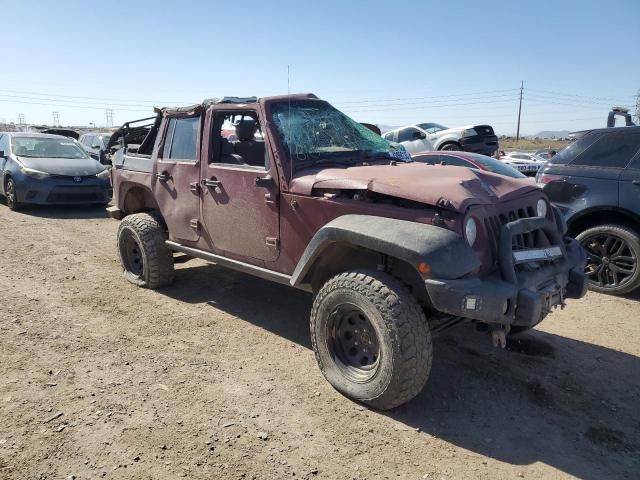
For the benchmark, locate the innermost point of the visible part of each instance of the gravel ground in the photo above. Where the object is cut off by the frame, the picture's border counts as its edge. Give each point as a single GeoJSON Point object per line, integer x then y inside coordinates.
{"type": "Point", "coordinates": [213, 377]}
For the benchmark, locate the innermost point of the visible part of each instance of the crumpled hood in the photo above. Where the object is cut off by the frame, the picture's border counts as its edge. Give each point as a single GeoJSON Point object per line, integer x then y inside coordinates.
{"type": "Point", "coordinates": [419, 182]}
{"type": "Point", "coordinates": [63, 166]}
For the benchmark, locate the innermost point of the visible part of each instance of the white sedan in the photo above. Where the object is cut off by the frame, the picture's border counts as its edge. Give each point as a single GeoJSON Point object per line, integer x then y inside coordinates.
{"type": "Point", "coordinates": [527, 163]}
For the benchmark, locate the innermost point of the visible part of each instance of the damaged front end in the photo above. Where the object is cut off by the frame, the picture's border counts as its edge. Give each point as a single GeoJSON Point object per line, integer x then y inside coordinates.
{"type": "Point", "coordinates": [529, 268]}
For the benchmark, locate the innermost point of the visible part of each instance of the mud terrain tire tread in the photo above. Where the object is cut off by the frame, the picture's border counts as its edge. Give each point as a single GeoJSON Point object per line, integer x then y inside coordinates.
{"type": "Point", "coordinates": [408, 333]}
{"type": "Point", "coordinates": [149, 230]}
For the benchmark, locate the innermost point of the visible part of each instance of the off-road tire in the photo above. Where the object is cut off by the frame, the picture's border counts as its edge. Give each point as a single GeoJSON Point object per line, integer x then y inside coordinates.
{"type": "Point", "coordinates": [451, 146]}
{"type": "Point", "coordinates": [632, 239]}
{"type": "Point", "coordinates": [11, 195]}
{"type": "Point", "coordinates": [402, 331]}
{"type": "Point", "coordinates": [149, 234]}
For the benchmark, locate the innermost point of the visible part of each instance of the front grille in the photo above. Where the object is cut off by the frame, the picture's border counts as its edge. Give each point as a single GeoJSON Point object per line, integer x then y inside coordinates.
{"type": "Point", "coordinates": [493, 226]}
{"type": "Point", "coordinates": [74, 197]}
{"type": "Point", "coordinates": [485, 130]}
{"type": "Point", "coordinates": [70, 178]}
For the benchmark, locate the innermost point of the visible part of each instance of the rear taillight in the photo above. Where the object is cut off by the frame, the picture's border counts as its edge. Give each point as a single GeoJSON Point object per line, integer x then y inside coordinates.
{"type": "Point", "coordinates": [545, 178]}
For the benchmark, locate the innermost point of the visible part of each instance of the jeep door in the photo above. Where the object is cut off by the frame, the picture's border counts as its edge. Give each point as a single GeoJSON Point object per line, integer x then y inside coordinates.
{"type": "Point", "coordinates": [240, 186]}
{"type": "Point", "coordinates": [630, 178]}
{"type": "Point", "coordinates": [176, 173]}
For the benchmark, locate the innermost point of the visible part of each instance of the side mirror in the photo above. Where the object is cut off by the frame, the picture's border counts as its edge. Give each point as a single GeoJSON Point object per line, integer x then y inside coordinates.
{"type": "Point", "coordinates": [2, 155]}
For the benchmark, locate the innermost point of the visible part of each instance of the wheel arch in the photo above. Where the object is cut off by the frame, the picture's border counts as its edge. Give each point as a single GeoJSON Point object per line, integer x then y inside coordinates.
{"type": "Point", "coordinates": [136, 198]}
{"type": "Point", "coordinates": [396, 246]}
{"type": "Point", "coordinates": [601, 216]}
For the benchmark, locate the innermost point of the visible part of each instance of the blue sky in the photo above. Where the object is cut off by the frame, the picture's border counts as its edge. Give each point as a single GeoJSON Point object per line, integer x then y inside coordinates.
{"type": "Point", "coordinates": [383, 62]}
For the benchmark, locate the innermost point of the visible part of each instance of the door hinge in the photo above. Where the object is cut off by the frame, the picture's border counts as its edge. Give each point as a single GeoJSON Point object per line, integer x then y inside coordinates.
{"type": "Point", "coordinates": [194, 187]}
{"type": "Point", "coordinates": [272, 242]}
{"type": "Point", "coordinates": [195, 224]}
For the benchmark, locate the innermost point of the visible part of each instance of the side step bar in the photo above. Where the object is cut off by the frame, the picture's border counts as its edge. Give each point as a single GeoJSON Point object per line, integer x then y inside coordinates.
{"type": "Point", "coordinates": [230, 263]}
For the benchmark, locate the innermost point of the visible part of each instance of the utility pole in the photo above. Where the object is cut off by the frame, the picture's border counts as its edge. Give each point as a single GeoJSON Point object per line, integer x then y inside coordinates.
{"type": "Point", "coordinates": [21, 119]}
{"type": "Point", "coordinates": [108, 115]}
{"type": "Point", "coordinates": [519, 111]}
{"type": "Point", "coordinates": [56, 119]}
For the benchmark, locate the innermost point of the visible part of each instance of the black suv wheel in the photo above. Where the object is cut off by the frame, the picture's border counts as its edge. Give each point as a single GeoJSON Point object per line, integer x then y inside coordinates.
{"type": "Point", "coordinates": [371, 338]}
{"type": "Point", "coordinates": [612, 258]}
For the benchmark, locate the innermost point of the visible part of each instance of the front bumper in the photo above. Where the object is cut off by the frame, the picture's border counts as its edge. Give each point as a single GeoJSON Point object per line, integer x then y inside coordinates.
{"type": "Point", "coordinates": [510, 297]}
{"type": "Point", "coordinates": [63, 190]}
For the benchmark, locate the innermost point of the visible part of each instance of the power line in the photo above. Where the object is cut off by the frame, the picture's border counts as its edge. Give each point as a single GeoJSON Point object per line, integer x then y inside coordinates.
{"type": "Point", "coordinates": [423, 98]}
{"type": "Point", "coordinates": [108, 99]}
{"type": "Point", "coordinates": [75, 106]}
{"type": "Point", "coordinates": [614, 99]}
{"type": "Point", "coordinates": [447, 105]}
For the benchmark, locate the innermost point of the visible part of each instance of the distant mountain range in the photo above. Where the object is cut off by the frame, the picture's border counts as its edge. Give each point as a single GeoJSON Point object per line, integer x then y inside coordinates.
{"type": "Point", "coordinates": [552, 134]}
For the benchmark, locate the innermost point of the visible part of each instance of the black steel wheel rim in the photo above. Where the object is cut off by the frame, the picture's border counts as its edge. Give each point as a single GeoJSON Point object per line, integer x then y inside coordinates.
{"type": "Point", "coordinates": [611, 262]}
{"type": "Point", "coordinates": [353, 343]}
{"type": "Point", "coordinates": [11, 193]}
{"type": "Point", "coordinates": [131, 254]}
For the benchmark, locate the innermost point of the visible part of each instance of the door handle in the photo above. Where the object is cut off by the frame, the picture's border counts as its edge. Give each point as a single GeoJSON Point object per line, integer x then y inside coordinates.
{"type": "Point", "coordinates": [265, 181]}
{"type": "Point", "coordinates": [636, 182]}
{"type": "Point", "coordinates": [163, 177]}
{"type": "Point", "coordinates": [213, 183]}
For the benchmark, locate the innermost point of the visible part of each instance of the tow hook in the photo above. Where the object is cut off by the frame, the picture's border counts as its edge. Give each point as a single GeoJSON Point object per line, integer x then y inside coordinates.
{"type": "Point", "coordinates": [499, 336]}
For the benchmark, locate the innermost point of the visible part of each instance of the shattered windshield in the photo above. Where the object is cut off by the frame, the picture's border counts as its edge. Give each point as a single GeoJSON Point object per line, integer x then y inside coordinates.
{"type": "Point", "coordinates": [313, 131]}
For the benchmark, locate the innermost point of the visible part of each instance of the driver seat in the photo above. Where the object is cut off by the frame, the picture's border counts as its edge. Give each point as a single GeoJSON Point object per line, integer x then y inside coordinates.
{"type": "Point", "coordinates": [251, 150]}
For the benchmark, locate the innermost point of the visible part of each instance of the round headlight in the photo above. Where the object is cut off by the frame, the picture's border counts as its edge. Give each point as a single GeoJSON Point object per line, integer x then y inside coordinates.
{"type": "Point", "coordinates": [541, 208]}
{"type": "Point", "coordinates": [470, 231]}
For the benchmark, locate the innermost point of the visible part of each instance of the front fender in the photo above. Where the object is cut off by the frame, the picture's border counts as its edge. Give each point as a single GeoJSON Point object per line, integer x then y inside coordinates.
{"type": "Point", "coordinates": [447, 253]}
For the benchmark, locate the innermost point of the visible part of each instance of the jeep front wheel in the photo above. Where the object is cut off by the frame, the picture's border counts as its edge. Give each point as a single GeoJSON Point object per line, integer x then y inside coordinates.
{"type": "Point", "coordinates": [371, 338]}
{"type": "Point", "coordinates": [145, 259]}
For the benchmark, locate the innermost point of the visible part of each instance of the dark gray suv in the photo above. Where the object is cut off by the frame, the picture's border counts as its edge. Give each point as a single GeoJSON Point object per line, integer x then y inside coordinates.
{"type": "Point", "coordinates": [596, 184]}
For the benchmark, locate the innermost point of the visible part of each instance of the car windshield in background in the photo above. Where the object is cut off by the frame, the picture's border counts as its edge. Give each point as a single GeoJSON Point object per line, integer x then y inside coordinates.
{"type": "Point", "coordinates": [105, 139]}
{"type": "Point", "coordinates": [432, 127]}
{"type": "Point", "coordinates": [47, 147]}
{"type": "Point", "coordinates": [494, 166]}
{"type": "Point", "coordinates": [313, 131]}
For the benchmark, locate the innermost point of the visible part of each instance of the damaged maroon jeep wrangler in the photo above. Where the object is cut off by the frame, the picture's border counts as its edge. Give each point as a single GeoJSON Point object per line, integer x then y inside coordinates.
{"type": "Point", "coordinates": [394, 252]}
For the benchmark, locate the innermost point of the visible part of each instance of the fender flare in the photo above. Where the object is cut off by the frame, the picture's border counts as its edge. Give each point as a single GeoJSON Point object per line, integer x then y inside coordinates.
{"type": "Point", "coordinates": [447, 253]}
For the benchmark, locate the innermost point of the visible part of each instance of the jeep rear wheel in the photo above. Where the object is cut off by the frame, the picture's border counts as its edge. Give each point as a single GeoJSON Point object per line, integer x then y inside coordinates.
{"type": "Point", "coordinates": [613, 258]}
{"type": "Point", "coordinates": [145, 259]}
{"type": "Point", "coordinates": [371, 338]}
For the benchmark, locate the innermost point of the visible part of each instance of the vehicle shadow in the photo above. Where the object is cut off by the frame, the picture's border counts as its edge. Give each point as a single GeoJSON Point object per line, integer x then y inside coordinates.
{"type": "Point", "coordinates": [568, 404]}
{"type": "Point", "coordinates": [65, 212]}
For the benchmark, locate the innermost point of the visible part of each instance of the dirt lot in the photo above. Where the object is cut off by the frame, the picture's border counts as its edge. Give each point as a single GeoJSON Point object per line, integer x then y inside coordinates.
{"type": "Point", "coordinates": [214, 378]}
